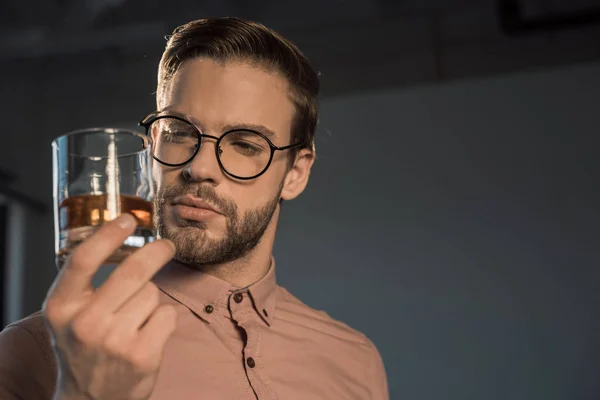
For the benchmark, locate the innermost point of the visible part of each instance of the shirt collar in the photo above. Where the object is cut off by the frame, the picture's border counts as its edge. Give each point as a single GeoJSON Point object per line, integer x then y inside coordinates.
{"type": "Point", "coordinates": [263, 294]}
{"type": "Point", "coordinates": [208, 296]}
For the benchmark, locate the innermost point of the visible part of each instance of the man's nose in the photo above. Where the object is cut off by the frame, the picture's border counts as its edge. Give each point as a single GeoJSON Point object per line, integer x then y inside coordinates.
{"type": "Point", "coordinates": [204, 166]}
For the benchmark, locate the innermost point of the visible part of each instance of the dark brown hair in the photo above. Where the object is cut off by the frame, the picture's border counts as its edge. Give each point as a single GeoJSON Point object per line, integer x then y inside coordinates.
{"type": "Point", "coordinates": [234, 39]}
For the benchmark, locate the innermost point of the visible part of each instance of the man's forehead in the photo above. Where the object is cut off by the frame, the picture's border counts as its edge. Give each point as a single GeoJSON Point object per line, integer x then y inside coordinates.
{"type": "Point", "coordinates": [217, 96]}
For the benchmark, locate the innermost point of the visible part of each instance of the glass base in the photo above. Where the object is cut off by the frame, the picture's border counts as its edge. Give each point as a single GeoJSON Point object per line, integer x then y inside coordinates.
{"type": "Point", "coordinates": [71, 238]}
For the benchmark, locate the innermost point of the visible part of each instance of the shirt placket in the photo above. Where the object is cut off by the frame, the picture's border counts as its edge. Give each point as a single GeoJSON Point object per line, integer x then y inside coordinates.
{"type": "Point", "coordinates": [243, 313]}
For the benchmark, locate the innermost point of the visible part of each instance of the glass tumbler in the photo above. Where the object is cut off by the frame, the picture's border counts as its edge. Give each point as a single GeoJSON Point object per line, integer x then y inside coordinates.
{"type": "Point", "coordinates": [98, 174]}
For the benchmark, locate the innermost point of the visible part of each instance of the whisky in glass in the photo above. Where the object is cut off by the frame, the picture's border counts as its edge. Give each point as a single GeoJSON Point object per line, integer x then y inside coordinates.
{"type": "Point", "coordinates": [99, 174]}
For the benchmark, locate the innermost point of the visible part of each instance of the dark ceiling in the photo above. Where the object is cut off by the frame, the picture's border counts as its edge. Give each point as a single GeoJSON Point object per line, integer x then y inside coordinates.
{"type": "Point", "coordinates": [399, 42]}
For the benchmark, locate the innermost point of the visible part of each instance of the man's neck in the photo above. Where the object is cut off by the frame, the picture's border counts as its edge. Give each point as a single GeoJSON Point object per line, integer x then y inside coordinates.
{"type": "Point", "coordinates": [242, 272]}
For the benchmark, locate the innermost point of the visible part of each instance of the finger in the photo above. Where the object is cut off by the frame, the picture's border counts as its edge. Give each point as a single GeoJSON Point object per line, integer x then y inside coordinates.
{"type": "Point", "coordinates": [76, 276]}
{"type": "Point", "coordinates": [136, 311]}
{"type": "Point", "coordinates": [151, 340]}
{"type": "Point", "coordinates": [130, 276]}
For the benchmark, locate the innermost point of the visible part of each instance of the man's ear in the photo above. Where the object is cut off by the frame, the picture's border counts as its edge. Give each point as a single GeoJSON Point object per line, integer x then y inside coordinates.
{"type": "Point", "coordinates": [296, 178]}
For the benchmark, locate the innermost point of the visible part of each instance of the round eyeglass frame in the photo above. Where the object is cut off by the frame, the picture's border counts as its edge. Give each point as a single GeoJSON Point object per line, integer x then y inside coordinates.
{"type": "Point", "coordinates": [147, 122]}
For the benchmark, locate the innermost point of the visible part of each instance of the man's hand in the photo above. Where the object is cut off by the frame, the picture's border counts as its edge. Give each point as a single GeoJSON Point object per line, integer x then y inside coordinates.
{"type": "Point", "coordinates": [109, 341]}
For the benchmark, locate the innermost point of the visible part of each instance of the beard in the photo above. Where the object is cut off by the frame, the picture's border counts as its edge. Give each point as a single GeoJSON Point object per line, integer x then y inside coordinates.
{"type": "Point", "coordinates": [194, 246]}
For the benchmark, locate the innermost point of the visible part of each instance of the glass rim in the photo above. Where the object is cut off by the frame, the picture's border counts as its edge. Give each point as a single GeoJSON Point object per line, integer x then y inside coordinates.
{"type": "Point", "coordinates": [146, 141]}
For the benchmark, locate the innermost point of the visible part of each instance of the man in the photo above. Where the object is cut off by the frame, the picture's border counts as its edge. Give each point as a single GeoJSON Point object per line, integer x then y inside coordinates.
{"type": "Point", "coordinates": [233, 138]}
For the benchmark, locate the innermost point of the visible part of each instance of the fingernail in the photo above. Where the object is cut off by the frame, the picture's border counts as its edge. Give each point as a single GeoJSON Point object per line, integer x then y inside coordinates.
{"type": "Point", "coordinates": [126, 221]}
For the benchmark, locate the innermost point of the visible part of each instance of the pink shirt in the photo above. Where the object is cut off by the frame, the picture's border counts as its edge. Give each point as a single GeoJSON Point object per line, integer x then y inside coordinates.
{"type": "Point", "coordinates": [258, 342]}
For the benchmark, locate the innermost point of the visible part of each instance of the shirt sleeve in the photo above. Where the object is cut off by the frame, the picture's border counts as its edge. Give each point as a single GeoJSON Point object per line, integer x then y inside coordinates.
{"type": "Point", "coordinates": [26, 370]}
{"type": "Point", "coordinates": [379, 385]}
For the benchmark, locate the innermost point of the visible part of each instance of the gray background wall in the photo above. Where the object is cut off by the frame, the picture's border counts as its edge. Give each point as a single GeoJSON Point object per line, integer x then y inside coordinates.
{"type": "Point", "coordinates": [458, 226]}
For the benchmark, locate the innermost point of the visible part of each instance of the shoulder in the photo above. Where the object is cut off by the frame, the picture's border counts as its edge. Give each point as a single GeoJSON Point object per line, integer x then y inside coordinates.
{"type": "Point", "coordinates": [290, 309]}
{"type": "Point", "coordinates": [30, 328]}
{"type": "Point", "coordinates": [28, 365]}
{"type": "Point", "coordinates": [352, 353]}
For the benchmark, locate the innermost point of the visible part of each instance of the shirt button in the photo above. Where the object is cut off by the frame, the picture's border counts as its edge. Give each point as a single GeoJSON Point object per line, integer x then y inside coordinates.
{"type": "Point", "coordinates": [238, 297]}
{"type": "Point", "coordinates": [250, 362]}
{"type": "Point", "coordinates": [209, 309]}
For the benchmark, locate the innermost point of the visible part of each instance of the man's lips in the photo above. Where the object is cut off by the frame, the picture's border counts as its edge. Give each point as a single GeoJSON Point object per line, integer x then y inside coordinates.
{"type": "Point", "coordinates": [193, 201]}
{"type": "Point", "coordinates": [192, 207]}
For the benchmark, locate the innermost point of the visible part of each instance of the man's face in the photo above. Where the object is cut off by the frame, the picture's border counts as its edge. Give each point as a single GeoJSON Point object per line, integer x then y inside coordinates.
{"type": "Point", "coordinates": [216, 96]}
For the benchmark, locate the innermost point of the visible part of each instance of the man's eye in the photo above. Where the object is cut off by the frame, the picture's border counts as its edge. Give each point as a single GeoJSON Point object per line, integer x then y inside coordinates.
{"type": "Point", "coordinates": [178, 135]}
{"type": "Point", "coordinates": [246, 147]}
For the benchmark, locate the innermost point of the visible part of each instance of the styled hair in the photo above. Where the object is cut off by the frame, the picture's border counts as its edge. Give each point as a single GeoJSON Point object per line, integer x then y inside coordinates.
{"type": "Point", "coordinates": [233, 39]}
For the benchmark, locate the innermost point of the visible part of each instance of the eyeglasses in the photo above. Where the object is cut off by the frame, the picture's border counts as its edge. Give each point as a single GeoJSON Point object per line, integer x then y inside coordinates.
{"type": "Point", "coordinates": [241, 153]}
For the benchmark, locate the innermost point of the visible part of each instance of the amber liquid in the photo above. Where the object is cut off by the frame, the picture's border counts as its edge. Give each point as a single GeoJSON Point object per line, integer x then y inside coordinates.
{"type": "Point", "coordinates": [81, 216]}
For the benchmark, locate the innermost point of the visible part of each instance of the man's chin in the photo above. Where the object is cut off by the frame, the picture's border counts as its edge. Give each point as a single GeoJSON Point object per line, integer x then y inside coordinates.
{"type": "Point", "coordinates": [192, 235]}
{"type": "Point", "coordinates": [197, 252]}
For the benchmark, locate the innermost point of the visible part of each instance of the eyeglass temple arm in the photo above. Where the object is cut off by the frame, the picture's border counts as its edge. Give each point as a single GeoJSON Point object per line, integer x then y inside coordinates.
{"type": "Point", "coordinates": [290, 146]}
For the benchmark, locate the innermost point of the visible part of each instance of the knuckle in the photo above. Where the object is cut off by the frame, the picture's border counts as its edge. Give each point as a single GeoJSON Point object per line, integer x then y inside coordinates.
{"type": "Point", "coordinates": [85, 332]}
{"type": "Point", "coordinates": [77, 260]}
{"type": "Point", "coordinates": [115, 345]}
{"type": "Point", "coordinates": [51, 311]}
{"type": "Point", "coordinates": [142, 361]}
{"type": "Point", "coordinates": [80, 331]}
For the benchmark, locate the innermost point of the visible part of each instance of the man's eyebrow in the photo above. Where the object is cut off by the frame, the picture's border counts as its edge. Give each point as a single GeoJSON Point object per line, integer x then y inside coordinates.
{"type": "Point", "coordinates": [224, 127]}
{"type": "Point", "coordinates": [245, 126]}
